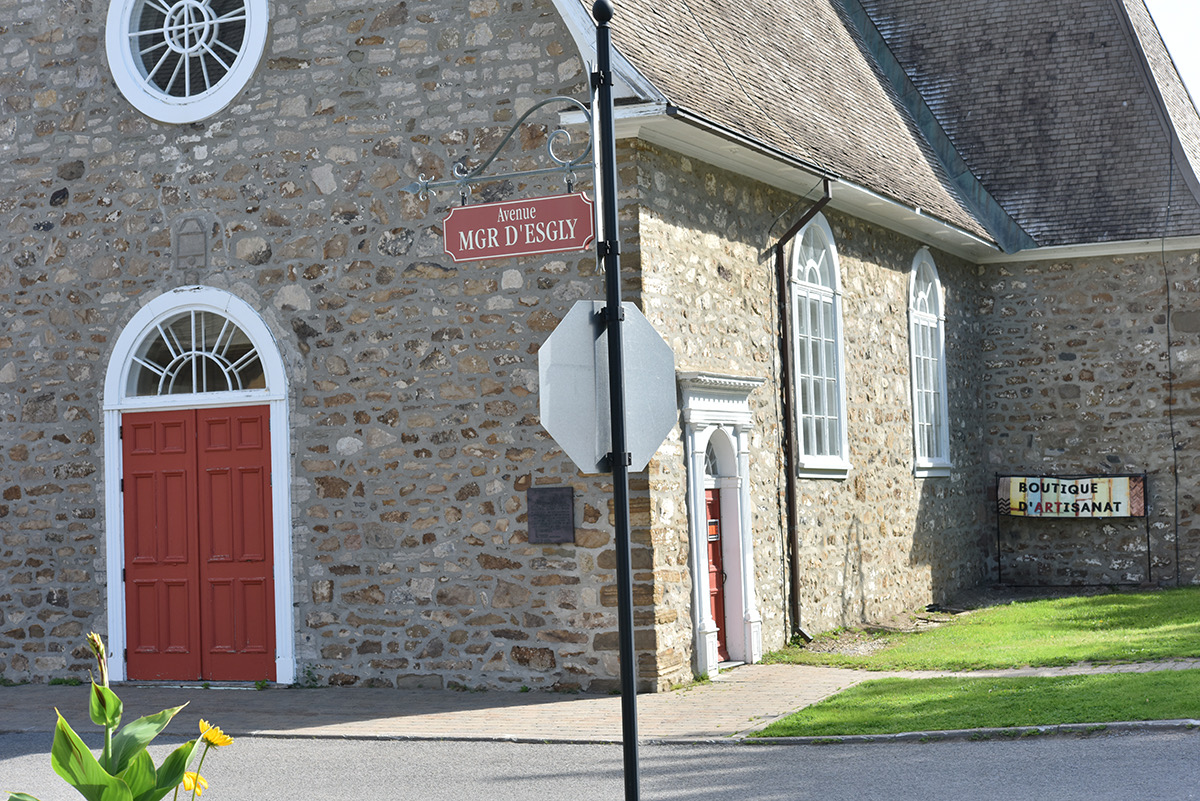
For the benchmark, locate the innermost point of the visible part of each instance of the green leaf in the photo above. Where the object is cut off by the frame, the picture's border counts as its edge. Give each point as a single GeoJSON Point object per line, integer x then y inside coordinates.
{"type": "Point", "coordinates": [138, 734]}
{"type": "Point", "coordinates": [105, 707]}
{"type": "Point", "coordinates": [140, 775]}
{"type": "Point", "coordinates": [21, 797]}
{"type": "Point", "coordinates": [74, 761]}
{"type": "Point", "coordinates": [171, 772]}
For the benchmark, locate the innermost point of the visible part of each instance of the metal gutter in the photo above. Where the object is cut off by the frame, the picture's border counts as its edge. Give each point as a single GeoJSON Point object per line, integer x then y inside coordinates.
{"type": "Point", "coordinates": [686, 133]}
{"type": "Point", "coordinates": [787, 400]}
{"type": "Point", "coordinates": [1128, 247]}
{"type": "Point", "coordinates": [749, 143]}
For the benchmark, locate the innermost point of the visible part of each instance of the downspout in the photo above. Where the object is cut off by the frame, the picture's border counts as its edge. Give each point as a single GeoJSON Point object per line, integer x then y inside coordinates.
{"type": "Point", "coordinates": [787, 400]}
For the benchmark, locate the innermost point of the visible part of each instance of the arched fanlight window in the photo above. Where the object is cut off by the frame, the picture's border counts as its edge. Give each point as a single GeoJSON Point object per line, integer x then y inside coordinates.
{"type": "Point", "coordinates": [195, 352]}
{"type": "Point", "coordinates": [710, 462]}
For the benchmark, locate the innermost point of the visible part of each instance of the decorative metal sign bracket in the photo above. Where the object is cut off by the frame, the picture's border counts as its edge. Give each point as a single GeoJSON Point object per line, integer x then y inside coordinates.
{"type": "Point", "coordinates": [463, 178]}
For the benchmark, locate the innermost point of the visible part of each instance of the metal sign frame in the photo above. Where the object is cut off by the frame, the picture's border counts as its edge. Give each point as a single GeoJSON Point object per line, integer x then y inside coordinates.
{"type": "Point", "coordinates": [464, 178]}
{"type": "Point", "coordinates": [1042, 520]}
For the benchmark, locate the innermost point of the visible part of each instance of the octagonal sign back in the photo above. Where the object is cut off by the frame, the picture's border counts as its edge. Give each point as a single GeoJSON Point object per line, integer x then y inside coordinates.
{"type": "Point", "coordinates": [573, 387]}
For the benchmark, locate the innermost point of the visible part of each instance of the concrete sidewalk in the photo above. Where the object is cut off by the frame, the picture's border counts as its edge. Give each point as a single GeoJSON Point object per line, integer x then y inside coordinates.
{"type": "Point", "coordinates": [737, 702]}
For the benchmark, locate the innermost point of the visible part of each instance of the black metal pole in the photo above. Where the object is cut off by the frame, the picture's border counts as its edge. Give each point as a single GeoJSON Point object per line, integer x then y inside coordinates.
{"type": "Point", "coordinates": [608, 251]}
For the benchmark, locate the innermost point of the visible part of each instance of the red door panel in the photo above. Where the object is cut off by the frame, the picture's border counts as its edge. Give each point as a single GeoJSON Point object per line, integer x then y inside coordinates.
{"type": "Point", "coordinates": [716, 572]}
{"type": "Point", "coordinates": [161, 570]}
{"type": "Point", "coordinates": [235, 543]}
{"type": "Point", "coordinates": [175, 614]}
{"type": "Point", "coordinates": [200, 586]}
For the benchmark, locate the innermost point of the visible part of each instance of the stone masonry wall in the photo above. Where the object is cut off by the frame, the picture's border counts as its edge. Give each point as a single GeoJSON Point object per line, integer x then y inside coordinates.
{"type": "Point", "coordinates": [1080, 380]}
{"type": "Point", "coordinates": [413, 380]}
{"type": "Point", "coordinates": [883, 541]}
{"type": "Point", "coordinates": [707, 289]}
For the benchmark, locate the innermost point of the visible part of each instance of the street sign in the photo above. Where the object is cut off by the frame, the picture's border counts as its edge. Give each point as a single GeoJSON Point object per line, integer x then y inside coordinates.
{"type": "Point", "coordinates": [573, 387]}
{"type": "Point", "coordinates": [555, 224]}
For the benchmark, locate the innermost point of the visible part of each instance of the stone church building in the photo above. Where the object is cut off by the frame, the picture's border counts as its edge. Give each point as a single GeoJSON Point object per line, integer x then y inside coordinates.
{"type": "Point", "coordinates": [256, 424]}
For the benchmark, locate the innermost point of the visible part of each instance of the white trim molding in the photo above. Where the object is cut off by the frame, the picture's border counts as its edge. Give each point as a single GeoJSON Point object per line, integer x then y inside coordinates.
{"type": "Point", "coordinates": [716, 409]}
{"type": "Point", "coordinates": [117, 401]}
{"type": "Point", "coordinates": [818, 354]}
{"type": "Point", "coordinates": [927, 369]}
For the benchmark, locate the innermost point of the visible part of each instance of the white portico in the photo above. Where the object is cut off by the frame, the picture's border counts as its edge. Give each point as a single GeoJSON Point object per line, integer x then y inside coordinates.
{"type": "Point", "coordinates": [717, 425]}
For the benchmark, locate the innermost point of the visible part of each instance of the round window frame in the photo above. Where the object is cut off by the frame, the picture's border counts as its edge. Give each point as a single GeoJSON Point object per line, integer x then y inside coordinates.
{"type": "Point", "coordinates": [160, 106]}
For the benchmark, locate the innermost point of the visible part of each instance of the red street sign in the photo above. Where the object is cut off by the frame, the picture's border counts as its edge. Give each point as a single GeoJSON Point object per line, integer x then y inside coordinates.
{"type": "Point", "coordinates": [555, 224]}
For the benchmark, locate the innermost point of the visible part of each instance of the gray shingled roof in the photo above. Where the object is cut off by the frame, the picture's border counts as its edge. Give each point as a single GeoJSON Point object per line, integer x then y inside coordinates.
{"type": "Point", "coordinates": [1048, 102]}
{"type": "Point", "coordinates": [792, 75]}
{"type": "Point", "coordinates": [1177, 104]}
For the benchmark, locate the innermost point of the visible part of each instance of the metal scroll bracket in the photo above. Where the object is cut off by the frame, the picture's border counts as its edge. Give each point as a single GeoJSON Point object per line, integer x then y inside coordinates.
{"type": "Point", "coordinates": [566, 167]}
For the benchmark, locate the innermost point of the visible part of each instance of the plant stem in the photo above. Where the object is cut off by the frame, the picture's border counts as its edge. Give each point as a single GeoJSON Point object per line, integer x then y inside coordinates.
{"type": "Point", "coordinates": [196, 784]}
{"type": "Point", "coordinates": [106, 757]}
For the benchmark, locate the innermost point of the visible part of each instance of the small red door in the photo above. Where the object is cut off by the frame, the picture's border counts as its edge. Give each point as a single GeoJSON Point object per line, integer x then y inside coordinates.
{"type": "Point", "coordinates": [716, 572]}
{"type": "Point", "coordinates": [199, 573]}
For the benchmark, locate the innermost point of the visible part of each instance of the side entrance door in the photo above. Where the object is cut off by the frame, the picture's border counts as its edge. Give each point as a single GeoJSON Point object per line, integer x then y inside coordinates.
{"type": "Point", "coordinates": [199, 587]}
{"type": "Point", "coordinates": [716, 571]}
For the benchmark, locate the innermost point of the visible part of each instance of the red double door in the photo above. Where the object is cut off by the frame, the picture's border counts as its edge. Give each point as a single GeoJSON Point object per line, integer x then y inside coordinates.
{"type": "Point", "coordinates": [199, 588]}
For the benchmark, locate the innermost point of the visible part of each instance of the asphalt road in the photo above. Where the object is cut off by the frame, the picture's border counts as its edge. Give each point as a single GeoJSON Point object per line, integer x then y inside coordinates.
{"type": "Point", "coordinates": [1135, 766]}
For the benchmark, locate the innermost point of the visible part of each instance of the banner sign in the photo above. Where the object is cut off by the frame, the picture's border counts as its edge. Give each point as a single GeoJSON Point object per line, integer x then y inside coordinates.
{"type": "Point", "coordinates": [1090, 496]}
{"type": "Point", "coordinates": [555, 224]}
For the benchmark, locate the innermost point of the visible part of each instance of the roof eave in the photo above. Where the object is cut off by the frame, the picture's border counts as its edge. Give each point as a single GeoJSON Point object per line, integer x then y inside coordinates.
{"type": "Point", "coordinates": [1095, 250]}
{"type": "Point", "coordinates": [630, 83]}
{"type": "Point", "coordinates": [693, 136]}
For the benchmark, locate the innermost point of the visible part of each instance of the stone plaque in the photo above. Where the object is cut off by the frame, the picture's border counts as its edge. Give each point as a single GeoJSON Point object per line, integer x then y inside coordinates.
{"type": "Point", "coordinates": [551, 514]}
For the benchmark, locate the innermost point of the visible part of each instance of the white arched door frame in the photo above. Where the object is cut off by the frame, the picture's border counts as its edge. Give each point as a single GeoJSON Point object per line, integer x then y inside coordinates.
{"type": "Point", "coordinates": [118, 402]}
{"type": "Point", "coordinates": [716, 408]}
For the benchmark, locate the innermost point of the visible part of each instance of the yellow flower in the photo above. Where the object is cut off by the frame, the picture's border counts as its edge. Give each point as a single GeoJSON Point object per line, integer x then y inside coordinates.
{"type": "Point", "coordinates": [213, 734]}
{"type": "Point", "coordinates": [193, 780]}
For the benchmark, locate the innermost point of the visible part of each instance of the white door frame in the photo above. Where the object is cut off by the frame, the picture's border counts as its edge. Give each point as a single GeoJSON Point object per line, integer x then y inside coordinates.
{"type": "Point", "coordinates": [117, 402]}
{"type": "Point", "coordinates": [716, 409]}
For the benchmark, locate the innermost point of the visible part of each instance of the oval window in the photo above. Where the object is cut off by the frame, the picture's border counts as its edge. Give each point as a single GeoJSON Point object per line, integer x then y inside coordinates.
{"type": "Point", "coordinates": [181, 61]}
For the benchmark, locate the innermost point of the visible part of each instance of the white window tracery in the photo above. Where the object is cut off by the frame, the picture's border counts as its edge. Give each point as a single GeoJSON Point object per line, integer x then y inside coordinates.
{"type": "Point", "coordinates": [195, 352]}
{"type": "Point", "coordinates": [182, 61]}
{"type": "Point", "coordinates": [927, 349]}
{"type": "Point", "coordinates": [817, 353]}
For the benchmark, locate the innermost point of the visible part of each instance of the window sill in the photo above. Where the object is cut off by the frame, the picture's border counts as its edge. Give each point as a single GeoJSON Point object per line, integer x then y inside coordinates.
{"type": "Point", "coordinates": [932, 470]}
{"type": "Point", "coordinates": [829, 469]}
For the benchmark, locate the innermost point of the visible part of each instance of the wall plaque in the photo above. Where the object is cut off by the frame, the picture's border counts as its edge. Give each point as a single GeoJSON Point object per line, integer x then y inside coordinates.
{"type": "Point", "coordinates": [551, 514]}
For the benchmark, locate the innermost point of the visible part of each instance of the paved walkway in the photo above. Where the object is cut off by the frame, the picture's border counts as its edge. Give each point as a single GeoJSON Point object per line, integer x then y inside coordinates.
{"type": "Point", "coordinates": [736, 703]}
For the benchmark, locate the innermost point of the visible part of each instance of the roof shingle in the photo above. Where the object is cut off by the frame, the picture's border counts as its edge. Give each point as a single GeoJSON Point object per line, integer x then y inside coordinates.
{"type": "Point", "coordinates": [1058, 108]}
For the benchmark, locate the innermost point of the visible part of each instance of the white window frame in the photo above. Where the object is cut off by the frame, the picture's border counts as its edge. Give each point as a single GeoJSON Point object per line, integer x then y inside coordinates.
{"type": "Point", "coordinates": [810, 417]}
{"type": "Point", "coordinates": [193, 34]}
{"type": "Point", "coordinates": [927, 369]}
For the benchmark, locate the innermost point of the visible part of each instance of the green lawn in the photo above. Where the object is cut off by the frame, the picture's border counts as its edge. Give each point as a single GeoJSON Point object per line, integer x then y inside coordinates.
{"type": "Point", "coordinates": [887, 706]}
{"type": "Point", "coordinates": [1117, 627]}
